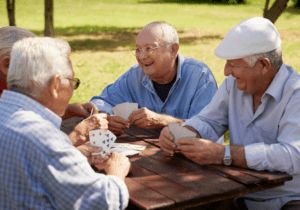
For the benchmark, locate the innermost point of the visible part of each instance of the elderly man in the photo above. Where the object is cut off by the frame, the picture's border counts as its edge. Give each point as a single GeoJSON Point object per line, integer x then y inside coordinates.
{"type": "Point", "coordinates": [11, 34]}
{"type": "Point", "coordinates": [40, 168]}
{"type": "Point", "coordinates": [167, 87]}
{"type": "Point", "coordinates": [259, 103]}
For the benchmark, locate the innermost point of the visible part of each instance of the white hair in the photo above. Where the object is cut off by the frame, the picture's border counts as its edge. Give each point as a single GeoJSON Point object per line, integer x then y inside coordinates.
{"type": "Point", "coordinates": [168, 32]}
{"type": "Point", "coordinates": [9, 35]}
{"type": "Point", "coordinates": [275, 57]}
{"type": "Point", "coordinates": [34, 62]}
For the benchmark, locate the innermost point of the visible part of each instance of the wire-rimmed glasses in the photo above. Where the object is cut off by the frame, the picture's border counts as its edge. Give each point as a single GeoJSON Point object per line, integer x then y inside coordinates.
{"type": "Point", "coordinates": [147, 50]}
{"type": "Point", "coordinates": [75, 82]}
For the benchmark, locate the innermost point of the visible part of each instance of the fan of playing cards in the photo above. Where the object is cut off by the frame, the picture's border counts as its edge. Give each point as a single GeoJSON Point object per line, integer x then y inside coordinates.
{"type": "Point", "coordinates": [105, 140]}
{"type": "Point", "coordinates": [180, 132]}
{"type": "Point", "coordinates": [124, 110]}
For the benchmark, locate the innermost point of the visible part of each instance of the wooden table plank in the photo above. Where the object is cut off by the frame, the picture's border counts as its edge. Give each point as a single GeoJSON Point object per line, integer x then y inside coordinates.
{"type": "Point", "coordinates": [144, 197]}
{"type": "Point", "coordinates": [244, 175]}
{"type": "Point", "coordinates": [172, 190]}
{"type": "Point", "coordinates": [236, 174]}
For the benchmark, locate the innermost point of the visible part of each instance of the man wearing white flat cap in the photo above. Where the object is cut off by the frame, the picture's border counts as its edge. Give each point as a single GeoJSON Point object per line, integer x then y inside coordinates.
{"type": "Point", "coordinates": [259, 102]}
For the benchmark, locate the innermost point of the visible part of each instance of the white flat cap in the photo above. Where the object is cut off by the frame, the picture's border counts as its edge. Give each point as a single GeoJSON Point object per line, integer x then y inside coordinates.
{"type": "Point", "coordinates": [252, 36]}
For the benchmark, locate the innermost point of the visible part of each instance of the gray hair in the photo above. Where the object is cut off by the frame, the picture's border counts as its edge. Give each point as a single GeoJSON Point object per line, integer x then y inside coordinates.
{"type": "Point", "coordinates": [34, 62]}
{"type": "Point", "coordinates": [275, 57]}
{"type": "Point", "coordinates": [168, 32]}
{"type": "Point", "coordinates": [9, 35]}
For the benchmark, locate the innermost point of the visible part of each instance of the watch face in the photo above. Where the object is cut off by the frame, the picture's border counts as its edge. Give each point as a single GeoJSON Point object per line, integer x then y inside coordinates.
{"type": "Point", "coordinates": [227, 161]}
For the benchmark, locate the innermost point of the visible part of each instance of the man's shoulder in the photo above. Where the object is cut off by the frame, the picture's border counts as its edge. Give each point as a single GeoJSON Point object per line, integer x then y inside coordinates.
{"type": "Point", "coordinates": [294, 78]}
{"type": "Point", "coordinates": [34, 128]}
{"type": "Point", "coordinates": [134, 72]}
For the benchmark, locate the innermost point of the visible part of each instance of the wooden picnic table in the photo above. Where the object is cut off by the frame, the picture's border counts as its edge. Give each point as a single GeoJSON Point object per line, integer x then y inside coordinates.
{"type": "Point", "coordinates": [158, 181]}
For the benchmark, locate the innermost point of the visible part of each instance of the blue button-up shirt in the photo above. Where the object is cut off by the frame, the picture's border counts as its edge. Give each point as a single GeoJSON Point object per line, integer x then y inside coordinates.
{"type": "Point", "coordinates": [270, 136]}
{"type": "Point", "coordinates": [193, 89]}
{"type": "Point", "coordinates": [41, 169]}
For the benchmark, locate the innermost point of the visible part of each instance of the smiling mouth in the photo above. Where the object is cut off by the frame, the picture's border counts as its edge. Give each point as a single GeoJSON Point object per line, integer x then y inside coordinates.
{"type": "Point", "coordinates": [148, 64]}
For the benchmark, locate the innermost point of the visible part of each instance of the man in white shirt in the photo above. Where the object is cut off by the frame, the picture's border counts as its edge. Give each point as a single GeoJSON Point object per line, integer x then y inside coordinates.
{"type": "Point", "coordinates": [258, 103]}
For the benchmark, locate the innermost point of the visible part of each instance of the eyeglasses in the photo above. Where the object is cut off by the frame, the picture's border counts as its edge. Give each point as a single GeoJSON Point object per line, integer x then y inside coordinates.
{"type": "Point", "coordinates": [148, 50]}
{"type": "Point", "coordinates": [75, 82]}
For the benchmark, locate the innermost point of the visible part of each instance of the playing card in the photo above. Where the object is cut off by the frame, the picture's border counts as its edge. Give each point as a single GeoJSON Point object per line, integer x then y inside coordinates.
{"type": "Point", "coordinates": [105, 140]}
{"type": "Point", "coordinates": [180, 132]}
{"type": "Point", "coordinates": [124, 110]}
{"type": "Point", "coordinates": [127, 152]}
{"type": "Point", "coordinates": [96, 137]}
{"type": "Point", "coordinates": [129, 146]}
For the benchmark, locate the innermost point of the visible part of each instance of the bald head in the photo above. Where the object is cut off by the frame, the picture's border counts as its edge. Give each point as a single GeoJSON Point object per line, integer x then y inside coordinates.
{"type": "Point", "coordinates": [162, 31]}
{"type": "Point", "coordinates": [9, 35]}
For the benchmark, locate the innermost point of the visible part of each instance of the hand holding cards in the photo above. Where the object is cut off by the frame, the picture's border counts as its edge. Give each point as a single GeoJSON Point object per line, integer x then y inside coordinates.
{"type": "Point", "coordinates": [180, 132]}
{"type": "Point", "coordinates": [105, 140]}
{"type": "Point", "coordinates": [124, 110]}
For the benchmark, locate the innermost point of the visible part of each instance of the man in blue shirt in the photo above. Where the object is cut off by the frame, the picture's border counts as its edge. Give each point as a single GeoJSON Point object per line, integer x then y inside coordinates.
{"type": "Point", "coordinates": [167, 87]}
{"type": "Point", "coordinates": [259, 103]}
{"type": "Point", "coordinates": [40, 167]}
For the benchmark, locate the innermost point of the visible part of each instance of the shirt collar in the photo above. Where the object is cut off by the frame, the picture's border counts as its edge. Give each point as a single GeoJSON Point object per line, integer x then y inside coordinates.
{"type": "Point", "coordinates": [29, 104]}
{"type": "Point", "coordinates": [277, 85]}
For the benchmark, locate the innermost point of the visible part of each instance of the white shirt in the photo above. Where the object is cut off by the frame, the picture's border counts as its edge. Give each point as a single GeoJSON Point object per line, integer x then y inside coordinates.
{"type": "Point", "coordinates": [270, 136]}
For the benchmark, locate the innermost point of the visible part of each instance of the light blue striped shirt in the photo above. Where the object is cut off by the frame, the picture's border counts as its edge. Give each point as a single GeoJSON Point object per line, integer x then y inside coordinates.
{"type": "Point", "coordinates": [41, 169]}
{"type": "Point", "coordinates": [270, 136]}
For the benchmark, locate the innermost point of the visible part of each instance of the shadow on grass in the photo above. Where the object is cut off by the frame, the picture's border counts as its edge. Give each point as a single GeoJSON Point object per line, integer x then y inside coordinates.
{"type": "Point", "coordinates": [112, 39]}
{"type": "Point", "coordinates": [293, 10]}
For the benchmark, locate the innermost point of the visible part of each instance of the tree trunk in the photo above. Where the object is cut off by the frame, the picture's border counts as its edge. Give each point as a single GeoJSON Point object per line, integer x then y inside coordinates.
{"type": "Point", "coordinates": [11, 12]}
{"type": "Point", "coordinates": [275, 11]}
{"type": "Point", "coordinates": [49, 29]}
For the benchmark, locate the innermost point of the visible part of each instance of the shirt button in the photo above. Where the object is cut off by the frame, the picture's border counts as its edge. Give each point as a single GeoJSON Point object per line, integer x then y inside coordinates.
{"type": "Point", "coordinates": [163, 110]}
{"type": "Point", "coordinates": [251, 124]}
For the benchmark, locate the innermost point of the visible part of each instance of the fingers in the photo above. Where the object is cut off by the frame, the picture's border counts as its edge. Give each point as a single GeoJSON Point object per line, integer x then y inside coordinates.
{"type": "Point", "coordinates": [117, 125]}
{"type": "Point", "coordinates": [136, 115]}
{"type": "Point", "coordinates": [186, 141]}
{"type": "Point", "coordinates": [97, 121]}
{"type": "Point", "coordinates": [166, 141]}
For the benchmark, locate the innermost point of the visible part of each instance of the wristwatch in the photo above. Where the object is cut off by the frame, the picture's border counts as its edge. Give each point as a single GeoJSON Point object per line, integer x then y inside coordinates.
{"type": "Point", "coordinates": [227, 159]}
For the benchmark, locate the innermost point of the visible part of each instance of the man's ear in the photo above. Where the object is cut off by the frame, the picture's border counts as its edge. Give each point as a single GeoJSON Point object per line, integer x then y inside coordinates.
{"type": "Point", "coordinates": [175, 48]}
{"type": "Point", "coordinates": [265, 65]}
{"type": "Point", "coordinates": [4, 64]}
{"type": "Point", "coordinates": [54, 85]}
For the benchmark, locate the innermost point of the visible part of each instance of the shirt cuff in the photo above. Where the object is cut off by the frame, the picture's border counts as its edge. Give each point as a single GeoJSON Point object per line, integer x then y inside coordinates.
{"type": "Point", "coordinates": [256, 156]}
{"type": "Point", "coordinates": [123, 190]}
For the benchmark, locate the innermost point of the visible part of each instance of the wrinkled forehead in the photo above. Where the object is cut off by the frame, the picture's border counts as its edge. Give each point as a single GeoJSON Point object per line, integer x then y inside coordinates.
{"type": "Point", "coordinates": [150, 35]}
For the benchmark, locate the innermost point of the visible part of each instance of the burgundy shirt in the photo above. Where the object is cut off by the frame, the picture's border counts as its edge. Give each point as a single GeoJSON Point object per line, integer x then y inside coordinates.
{"type": "Point", "coordinates": [2, 86]}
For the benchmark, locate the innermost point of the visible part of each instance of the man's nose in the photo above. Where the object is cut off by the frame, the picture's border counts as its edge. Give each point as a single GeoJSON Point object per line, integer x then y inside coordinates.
{"type": "Point", "coordinates": [227, 69]}
{"type": "Point", "coordinates": [143, 54]}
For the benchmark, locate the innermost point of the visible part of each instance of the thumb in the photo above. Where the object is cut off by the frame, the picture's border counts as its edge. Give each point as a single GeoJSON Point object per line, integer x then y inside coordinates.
{"type": "Point", "coordinates": [95, 149]}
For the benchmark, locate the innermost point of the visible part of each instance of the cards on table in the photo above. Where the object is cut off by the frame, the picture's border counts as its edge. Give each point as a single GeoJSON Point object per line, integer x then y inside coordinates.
{"type": "Point", "coordinates": [180, 132]}
{"type": "Point", "coordinates": [105, 140]}
{"type": "Point", "coordinates": [124, 110]}
{"type": "Point", "coordinates": [127, 152]}
{"type": "Point", "coordinates": [129, 146]}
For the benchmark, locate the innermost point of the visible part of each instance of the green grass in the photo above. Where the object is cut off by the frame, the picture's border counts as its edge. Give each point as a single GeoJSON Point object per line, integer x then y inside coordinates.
{"type": "Point", "coordinates": [101, 32]}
